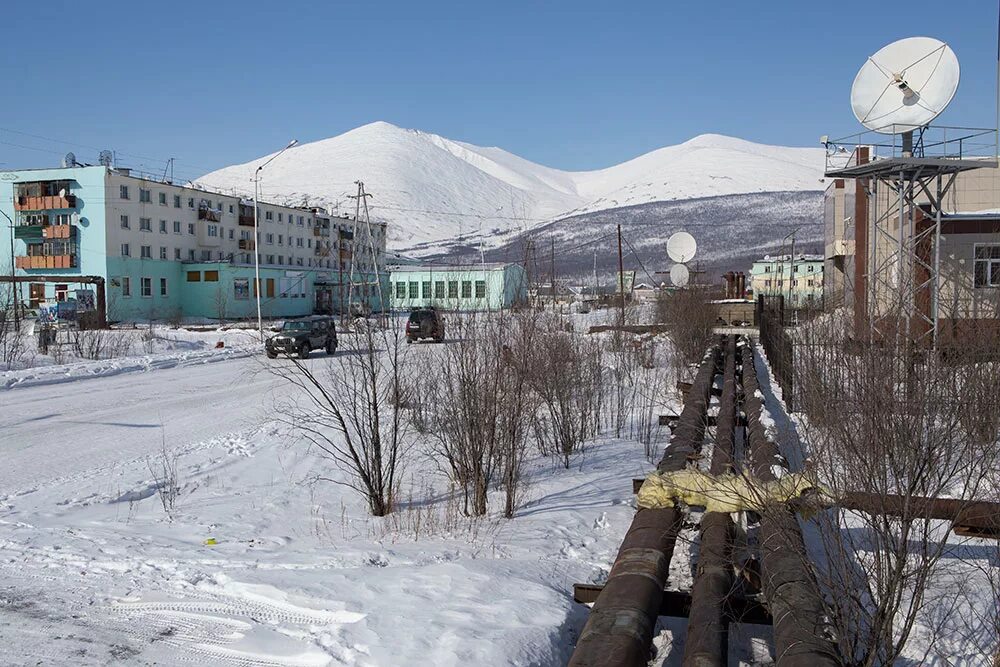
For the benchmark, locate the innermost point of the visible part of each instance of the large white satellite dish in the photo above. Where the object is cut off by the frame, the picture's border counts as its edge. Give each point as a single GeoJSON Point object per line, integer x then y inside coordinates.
{"type": "Point", "coordinates": [681, 247]}
{"type": "Point", "coordinates": [906, 85]}
{"type": "Point", "coordinates": [679, 275]}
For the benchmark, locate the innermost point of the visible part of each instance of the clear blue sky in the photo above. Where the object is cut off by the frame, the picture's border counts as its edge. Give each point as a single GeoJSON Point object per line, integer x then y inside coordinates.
{"type": "Point", "coordinates": [575, 85]}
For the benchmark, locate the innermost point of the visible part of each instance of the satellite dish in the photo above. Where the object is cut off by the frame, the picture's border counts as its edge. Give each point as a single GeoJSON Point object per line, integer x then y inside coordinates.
{"type": "Point", "coordinates": [679, 275]}
{"type": "Point", "coordinates": [681, 247]}
{"type": "Point", "coordinates": [906, 85]}
{"type": "Point", "coordinates": [69, 160]}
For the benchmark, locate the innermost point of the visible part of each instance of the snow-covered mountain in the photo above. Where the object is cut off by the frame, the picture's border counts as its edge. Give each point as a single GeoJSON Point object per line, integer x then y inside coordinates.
{"type": "Point", "coordinates": [433, 190]}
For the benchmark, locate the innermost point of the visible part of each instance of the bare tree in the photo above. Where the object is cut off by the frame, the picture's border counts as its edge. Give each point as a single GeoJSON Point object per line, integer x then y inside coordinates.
{"type": "Point", "coordinates": [351, 409]}
{"type": "Point", "coordinates": [890, 425]}
{"type": "Point", "coordinates": [690, 320]}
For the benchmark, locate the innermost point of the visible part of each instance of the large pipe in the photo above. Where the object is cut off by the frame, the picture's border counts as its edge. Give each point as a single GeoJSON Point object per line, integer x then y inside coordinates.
{"type": "Point", "coordinates": [619, 631]}
{"type": "Point", "coordinates": [707, 643]}
{"type": "Point", "coordinates": [800, 627]}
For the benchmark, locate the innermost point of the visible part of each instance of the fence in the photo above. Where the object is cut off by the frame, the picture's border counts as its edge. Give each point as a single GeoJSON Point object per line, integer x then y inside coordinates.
{"type": "Point", "coordinates": [778, 344]}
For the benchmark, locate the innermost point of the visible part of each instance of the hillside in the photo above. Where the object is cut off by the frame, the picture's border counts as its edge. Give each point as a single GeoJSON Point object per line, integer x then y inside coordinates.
{"type": "Point", "coordinates": [432, 189]}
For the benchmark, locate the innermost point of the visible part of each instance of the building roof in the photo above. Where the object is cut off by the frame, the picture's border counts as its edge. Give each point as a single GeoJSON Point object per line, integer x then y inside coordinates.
{"type": "Point", "coordinates": [424, 268]}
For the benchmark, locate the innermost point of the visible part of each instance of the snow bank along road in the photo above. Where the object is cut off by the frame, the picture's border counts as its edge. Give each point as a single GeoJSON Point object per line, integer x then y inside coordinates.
{"type": "Point", "coordinates": [259, 564]}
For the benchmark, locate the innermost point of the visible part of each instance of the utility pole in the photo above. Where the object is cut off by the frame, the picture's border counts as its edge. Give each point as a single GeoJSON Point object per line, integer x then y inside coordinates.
{"type": "Point", "coordinates": [552, 271]}
{"type": "Point", "coordinates": [14, 290]}
{"type": "Point", "coordinates": [791, 272]}
{"type": "Point", "coordinates": [621, 273]}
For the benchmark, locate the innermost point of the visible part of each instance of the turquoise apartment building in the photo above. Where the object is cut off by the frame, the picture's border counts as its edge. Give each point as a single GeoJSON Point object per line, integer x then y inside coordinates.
{"type": "Point", "coordinates": [801, 281]}
{"type": "Point", "coordinates": [469, 287]}
{"type": "Point", "coordinates": [171, 251]}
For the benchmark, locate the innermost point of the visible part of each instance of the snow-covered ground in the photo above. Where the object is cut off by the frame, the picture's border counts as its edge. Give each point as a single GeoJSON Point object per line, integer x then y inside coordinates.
{"type": "Point", "coordinates": [260, 564]}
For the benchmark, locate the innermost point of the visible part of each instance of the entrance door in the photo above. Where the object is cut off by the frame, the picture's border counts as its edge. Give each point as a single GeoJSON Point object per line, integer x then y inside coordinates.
{"type": "Point", "coordinates": [36, 294]}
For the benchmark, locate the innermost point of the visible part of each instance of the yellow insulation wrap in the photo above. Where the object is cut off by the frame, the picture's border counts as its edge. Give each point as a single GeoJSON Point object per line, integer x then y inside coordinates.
{"type": "Point", "coordinates": [725, 493]}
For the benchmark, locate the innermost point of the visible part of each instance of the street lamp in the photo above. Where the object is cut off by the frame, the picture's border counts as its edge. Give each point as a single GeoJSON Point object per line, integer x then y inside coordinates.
{"type": "Point", "coordinates": [256, 234]}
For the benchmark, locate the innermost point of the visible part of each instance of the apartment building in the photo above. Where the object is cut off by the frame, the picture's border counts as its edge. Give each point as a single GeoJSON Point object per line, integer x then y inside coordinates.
{"type": "Point", "coordinates": [167, 250]}
{"type": "Point", "coordinates": [799, 281]}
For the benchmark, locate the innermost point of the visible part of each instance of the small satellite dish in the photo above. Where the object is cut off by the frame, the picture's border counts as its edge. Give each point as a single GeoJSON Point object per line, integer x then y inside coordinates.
{"type": "Point", "coordinates": [679, 275]}
{"type": "Point", "coordinates": [906, 85]}
{"type": "Point", "coordinates": [69, 160]}
{"type": "Point", "coordinates": [681, 247]}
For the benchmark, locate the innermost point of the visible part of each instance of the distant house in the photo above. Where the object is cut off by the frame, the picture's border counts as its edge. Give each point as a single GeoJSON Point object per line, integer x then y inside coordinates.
{"type": "Point", "coordinates": [466, 287]}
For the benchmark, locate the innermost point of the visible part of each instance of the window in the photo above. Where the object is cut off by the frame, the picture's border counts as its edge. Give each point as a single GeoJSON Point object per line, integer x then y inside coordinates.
{"type": "Point", "coordinates": [163, 199]}
{"type": "Point", "coordinates": [230, 235]}
{"type": "Point", "coordinates": [145, 224]}
{"type": "Point", "coordinates": [466, 289]}
{"type": "Point", "coordinates": [767, 269]}
{"type": "Point", "coordinates": [206, 255]}
{"type": "Point", "coordinates": [213, 230]}
{"type": "Point", "coordinates": [298, 242]}
{"type": "Point", "coordinates": [439, 289]}
{"type": "Point", "coordinates": [400, 290]}
{"type": "Point", "coordinates": [163, 226]}
{"type": "Point", "coordinates": [145, 287]}
{"type": "Point", "coordinates": [124, 220]}
{"type": "Point", "coordinates": [281, 259]}
{"type": "Point", "coordinates": [163, 286]}
{"type": "Point", "coordinates": [125, 250]}
{"type": "Point", "coordinates": [480, 289]}
{"type": "Point", "coordinates": [425, 289]}
{"type": "Point", "coordinates": [230, 209]}
{"type": "Point", "coordinates": [177, 226]}
{"type": "Point", "coordinates": [193, 277]}
{"type": "Point", "coordinates": [177, 253]}
{"type": "Point", "coordinates": [281, 239]}
{"type": "Point", "coordinates": [145, 251]}
{"type": "Point", "coordinates": [190, 202]}
{"type": "Point", "coordinates": [269, 238]}
{"type": "Point", "coordinates": [280, 217]}
{"type": "Point", "coordinates": [452, 289]}
{"type": "Point", "coordinates": [177, 201]}
{"type": "Point", "coordinates": [145, 196]}
{"type": "Point", "coordinates": [126, 286]}
{"type": "Point", "coordinates": [191, 255]}
{"type": "Point", "coordinates": [414, 294]}
{"type": "Point", "coordinates": [191, 228]}
{"type": "Point", "coordinates": [163, 252]}
{"type": "Point", "coordinates": [123, 191]}
{"type": "Point", "coordinates": [268, 215]}
{"type": "Point", "coordinates": [987, 268]}
{"type": "Point", "coordinates": [300, 221]}
{"type": "Point", "coordinates": [269, 259]}
{"type": "Point", "coordinates": [241, 288]}
{"type": "Point", "coordinates": [211, 276]}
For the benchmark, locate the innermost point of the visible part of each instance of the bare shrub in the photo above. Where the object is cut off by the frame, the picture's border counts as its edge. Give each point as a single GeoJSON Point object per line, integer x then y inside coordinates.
{"type": "Point", "coordinates": [566, 375]}
{"type": "Point", "coordinates": [889, 420]}
{"type": "Point", "coordinates": [100, 343]}
{"type": "Point", "coordinates": [164, 472]}
{"type": "Point", "coordinates": [351, 410]}
{"type": "Point", "coordinates": [12, 348]}
{"type": "Point", "coordinates": [690, 320]}
{"type": "Point", "coordinates": [481, 435]}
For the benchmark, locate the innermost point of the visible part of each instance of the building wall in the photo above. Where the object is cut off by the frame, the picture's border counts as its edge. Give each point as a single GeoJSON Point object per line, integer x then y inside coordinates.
{"type": "Point", "coordinates": [770, 276]}
{"type": "Point", "coordinates": [318, 246]}
{"type": "Point", "coordinates": [504, 287]}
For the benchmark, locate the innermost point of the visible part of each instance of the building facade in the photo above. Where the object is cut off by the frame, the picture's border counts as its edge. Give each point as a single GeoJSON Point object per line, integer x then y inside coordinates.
{"type": "Point", "coordinates": [462, 288]}
{"type": "Point", "coordinates": [800, 282]}
{"type": "Point", "coordinates": [149, 239]}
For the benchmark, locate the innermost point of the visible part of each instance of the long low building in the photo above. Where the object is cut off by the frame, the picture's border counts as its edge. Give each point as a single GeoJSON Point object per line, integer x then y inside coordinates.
{"type": "Point", "coordinates": [170, 251]}
{"type": "Point", "coordinates": [466, 287]}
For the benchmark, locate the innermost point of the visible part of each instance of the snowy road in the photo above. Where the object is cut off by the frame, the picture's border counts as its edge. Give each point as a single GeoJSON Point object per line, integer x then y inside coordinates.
{"type": "Point", "coordinates": [93, 423]}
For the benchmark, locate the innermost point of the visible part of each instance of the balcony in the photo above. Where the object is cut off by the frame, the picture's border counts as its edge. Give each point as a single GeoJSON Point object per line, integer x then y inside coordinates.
{"type": "Point", "coordinates": [44, 202]}
{"type": "Point", "coordinates": [209, 214]}
{"type": "Point", "coordinates": [45, 261]}
{"type": "Point", "coordinates": [321, 231]}
{"type": "Point", "coordinates": [247, 244]}
{"type": "Point", "coordinates": [246, 220]}
{"type": "Point", "coordinates": [58, 231]}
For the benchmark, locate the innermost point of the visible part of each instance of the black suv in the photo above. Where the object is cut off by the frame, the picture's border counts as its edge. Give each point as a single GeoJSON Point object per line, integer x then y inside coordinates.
{"type": "Point", "coordinates": [424, 323]}
{"type": "Point", "coordinates": [302, 336]}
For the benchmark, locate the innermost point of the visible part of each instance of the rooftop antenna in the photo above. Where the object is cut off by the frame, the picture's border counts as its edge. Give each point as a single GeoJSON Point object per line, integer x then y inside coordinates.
{"type": "Point", "coordinates": [105, 158]}
{"type": "Point", "coordinates": [170, 166]}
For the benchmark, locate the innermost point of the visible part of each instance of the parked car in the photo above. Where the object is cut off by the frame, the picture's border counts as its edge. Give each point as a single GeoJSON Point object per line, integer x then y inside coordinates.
{"type": "Point", "coordinates": [302, 337]}
{"type": "Point", "coordinates": [424, 323]}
